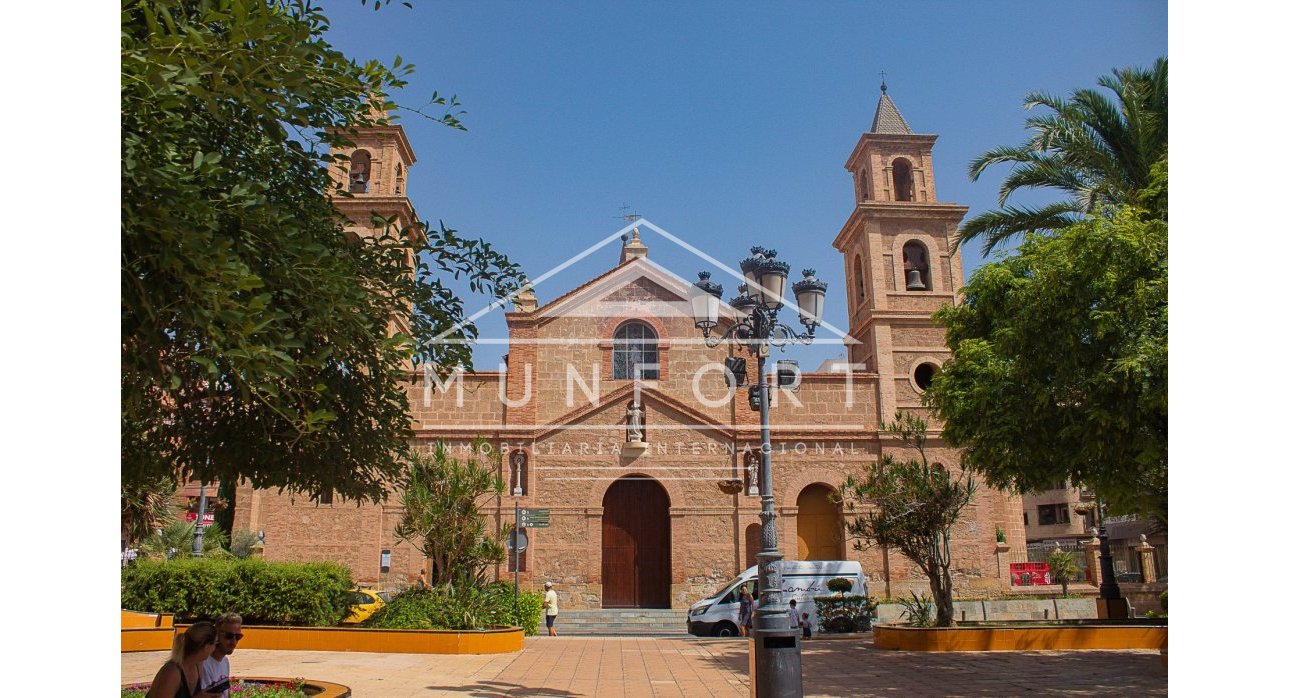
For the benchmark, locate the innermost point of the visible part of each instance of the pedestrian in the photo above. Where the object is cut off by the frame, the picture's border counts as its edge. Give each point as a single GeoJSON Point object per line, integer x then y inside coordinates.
{"type": "Point", "coordinates": [745, 611]}
{"type": "Point", "coordinates": [794, 615]}
{"type": "Point", "coordinates": [551, 603]}
{"type": "Point", "coordinates": [421, 579]}
{"type": "Point", "coordinates": [215, 670]}
{"type": "Point", "coordinates": [181, 675]}
{"type": "Point", "coordinates": [806, 626]}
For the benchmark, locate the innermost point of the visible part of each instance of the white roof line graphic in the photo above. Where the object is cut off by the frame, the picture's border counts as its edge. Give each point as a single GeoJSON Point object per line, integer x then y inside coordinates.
{"type": "Point", "coordinates": [442, 337]}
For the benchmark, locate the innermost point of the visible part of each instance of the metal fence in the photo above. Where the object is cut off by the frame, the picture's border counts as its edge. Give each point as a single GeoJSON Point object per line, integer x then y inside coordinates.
{"type": "Point", "coordinates": [1038, 552]}
{"type": "Point", "coordinates": [1124, 558]}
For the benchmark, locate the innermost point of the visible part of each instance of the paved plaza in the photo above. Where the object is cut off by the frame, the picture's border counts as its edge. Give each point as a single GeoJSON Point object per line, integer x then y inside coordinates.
{"type": "Point", "coordinates": [680, 666]}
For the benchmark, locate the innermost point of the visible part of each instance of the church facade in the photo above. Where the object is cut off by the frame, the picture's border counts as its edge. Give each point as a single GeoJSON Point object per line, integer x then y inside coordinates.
{"type": "Point", "coordinates": [614, 415]}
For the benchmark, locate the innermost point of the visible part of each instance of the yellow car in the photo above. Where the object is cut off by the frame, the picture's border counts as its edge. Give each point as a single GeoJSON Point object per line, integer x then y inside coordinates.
{"type": "Point", "coordinates": [362, 604]}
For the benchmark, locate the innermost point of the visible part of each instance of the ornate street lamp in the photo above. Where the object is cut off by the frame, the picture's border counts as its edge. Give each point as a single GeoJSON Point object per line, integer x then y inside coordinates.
{"type": "Point", "coordinates": [777, 652]}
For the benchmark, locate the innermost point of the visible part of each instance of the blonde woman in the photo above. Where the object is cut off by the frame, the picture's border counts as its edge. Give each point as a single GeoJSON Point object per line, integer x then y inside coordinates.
{"type": "Point", "coordinates": [181, 675]}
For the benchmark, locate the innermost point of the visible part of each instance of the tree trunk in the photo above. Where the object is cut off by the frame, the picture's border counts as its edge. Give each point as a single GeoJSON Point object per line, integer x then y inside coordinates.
{"type": "Point", "coordinates": [943, 596]}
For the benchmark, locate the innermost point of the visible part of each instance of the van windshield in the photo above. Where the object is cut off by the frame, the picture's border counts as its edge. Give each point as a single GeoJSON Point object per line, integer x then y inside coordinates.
{"type": "Point", "coordinates": [727, 595]}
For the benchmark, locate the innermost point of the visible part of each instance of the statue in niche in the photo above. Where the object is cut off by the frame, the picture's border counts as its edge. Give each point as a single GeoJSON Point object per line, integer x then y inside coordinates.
{"type": "Point", "coordinates": [752, 463]}
{"type": "Point", "coordinates": [635, 433]}
{"type": "Point", "coordinates": [518, 459]}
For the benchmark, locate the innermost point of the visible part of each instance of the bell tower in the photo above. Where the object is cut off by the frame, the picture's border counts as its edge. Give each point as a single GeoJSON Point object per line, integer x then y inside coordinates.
{"type": "Point", "coordinates": [370, 176]}
{"type": "Point", "coordinates": [898, 263]}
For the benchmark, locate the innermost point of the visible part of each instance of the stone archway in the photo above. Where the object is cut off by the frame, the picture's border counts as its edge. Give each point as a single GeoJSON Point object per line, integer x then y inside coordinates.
{"type": "Point", "coordinates": [819, 524]}
{"type": "Point", "coordinates": [636, 545]}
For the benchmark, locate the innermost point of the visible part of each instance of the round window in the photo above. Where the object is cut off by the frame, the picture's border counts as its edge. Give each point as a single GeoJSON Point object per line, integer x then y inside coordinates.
{"type": "Point", "coordinates": [923, 376]}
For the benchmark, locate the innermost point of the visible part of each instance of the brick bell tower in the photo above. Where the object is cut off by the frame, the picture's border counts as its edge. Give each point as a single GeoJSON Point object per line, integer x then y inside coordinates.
{"type": "Point", "coordinates": [899, 267]}
{"type": "Point", "coordinates": [370, 178]}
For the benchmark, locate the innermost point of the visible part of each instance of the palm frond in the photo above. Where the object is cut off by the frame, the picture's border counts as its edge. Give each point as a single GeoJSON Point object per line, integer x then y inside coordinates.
{"type": "Point", "coordinates": [995, 227]}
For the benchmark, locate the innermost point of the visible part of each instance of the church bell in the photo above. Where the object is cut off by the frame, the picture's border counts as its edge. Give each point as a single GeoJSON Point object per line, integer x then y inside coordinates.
{"type": "Point", "coordinates": [914, 280]}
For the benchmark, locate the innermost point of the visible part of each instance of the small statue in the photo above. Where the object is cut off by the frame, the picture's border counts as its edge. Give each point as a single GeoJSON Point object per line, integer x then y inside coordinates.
{"type": "Point", "coordinates": [753, 464]}
{"type": "Point", "coordinates": [1143, 538]}
{"type": "Point", "coordinates": [634, 414]}
{"type": "Point", "coordinates": [518, 460]}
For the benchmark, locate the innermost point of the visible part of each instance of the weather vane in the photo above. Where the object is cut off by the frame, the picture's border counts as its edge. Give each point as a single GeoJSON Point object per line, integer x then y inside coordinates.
{"type": "Point", "coordinates": [883, 73]}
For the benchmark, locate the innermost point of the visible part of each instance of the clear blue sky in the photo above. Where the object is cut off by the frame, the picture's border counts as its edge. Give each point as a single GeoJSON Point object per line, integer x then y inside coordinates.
{"type": "Point", "coordinates": [725, 124]}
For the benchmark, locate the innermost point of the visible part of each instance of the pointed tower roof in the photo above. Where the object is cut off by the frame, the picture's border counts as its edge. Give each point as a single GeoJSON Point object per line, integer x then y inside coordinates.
{"type": "Point", "coordinates": [887, 118]}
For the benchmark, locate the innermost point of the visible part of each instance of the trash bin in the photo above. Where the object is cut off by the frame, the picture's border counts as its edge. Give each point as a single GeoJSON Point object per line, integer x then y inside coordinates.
{"type": "Point", "coordinates": [775, 663]}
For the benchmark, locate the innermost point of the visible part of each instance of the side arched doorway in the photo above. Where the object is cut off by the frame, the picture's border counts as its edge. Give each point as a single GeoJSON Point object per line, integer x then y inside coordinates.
{"type": "Point", "coordinates": [819, 525]}
{"type": "Point", "coordinates": [636, 545]}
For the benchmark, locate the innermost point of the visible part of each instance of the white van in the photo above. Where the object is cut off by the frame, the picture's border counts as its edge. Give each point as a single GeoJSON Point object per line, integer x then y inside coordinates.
{"type": "Point", "coordinates": [718, 615]}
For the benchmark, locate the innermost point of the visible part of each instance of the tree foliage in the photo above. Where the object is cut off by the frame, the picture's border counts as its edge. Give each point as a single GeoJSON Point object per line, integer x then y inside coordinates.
{"type": "Point", "coordinates": [1060, 364]}
{"type": "Point", "coordinates": [1094, 148]}
{"type": "Point", "coordinates": [255, 340]}
{"type": "Point", "coordinates": [912, 506]}
{"type": "Point", "coordinates": [441, 517]}
{"type": "Point", "coordinates": [147, 505]}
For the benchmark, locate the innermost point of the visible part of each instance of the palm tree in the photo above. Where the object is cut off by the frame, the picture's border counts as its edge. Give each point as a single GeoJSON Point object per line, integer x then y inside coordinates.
{"type": "Point", "coordinates": [146, 506]}
{"type": "Point", "coordinates": [1095, 149]}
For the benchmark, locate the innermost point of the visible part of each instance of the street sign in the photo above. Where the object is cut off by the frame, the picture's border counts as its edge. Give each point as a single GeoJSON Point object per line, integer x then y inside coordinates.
{"type": "Point", "coordinates": [523, 541]}
{"type": "Point", "coordinates": [535, 518]}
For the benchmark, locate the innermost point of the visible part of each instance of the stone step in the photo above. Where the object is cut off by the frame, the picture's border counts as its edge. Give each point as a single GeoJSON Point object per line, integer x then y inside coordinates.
{"type": "Point", "coordinates": [628, 621]}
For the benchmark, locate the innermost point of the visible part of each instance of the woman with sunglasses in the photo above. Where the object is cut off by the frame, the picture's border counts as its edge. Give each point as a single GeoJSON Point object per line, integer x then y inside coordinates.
{"type": "Point", "coordinates": [180, 676]}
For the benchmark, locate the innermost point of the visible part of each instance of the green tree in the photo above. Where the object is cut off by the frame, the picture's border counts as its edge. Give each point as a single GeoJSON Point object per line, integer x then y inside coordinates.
{"type": "Point", "coordinates": [1060, 364]}
{"type": "Point", "coordinates": [912, 507]}
{"type": "Point", "coordinates": [254, 336]}
{"type": "Point", "coordinates": [441, 517]}
{"type": "Point", "coordinates": [1094, 148]}
{"type": "Point", "coordinates": [1062, 567]}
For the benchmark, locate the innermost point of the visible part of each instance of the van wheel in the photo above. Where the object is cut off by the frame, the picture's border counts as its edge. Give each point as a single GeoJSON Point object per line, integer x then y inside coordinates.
{"type": "Point", "coordinates": [725, 630]}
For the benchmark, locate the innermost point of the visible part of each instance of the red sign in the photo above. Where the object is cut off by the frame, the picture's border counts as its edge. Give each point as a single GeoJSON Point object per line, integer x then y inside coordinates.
{"type": "Point", "coordinates": [1026, 574]}
{"type": "Point", "coordinates": [207, 520]}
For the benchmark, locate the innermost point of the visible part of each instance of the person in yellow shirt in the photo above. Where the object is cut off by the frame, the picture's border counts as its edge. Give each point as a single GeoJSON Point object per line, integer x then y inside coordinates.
{"type": "Point", "coordinates": [551, 604]}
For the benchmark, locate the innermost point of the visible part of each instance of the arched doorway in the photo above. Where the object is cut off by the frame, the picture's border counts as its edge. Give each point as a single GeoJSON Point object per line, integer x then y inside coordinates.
{"type": "Point", "coordinates": [819, 526]}
{"type": "Point", "coordinates": [752, 544]}
{"type": "Point", "coordinates": [636, 545]}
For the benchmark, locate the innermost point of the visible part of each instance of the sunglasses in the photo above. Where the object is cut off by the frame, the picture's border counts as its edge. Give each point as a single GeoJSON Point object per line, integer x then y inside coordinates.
{"type": "Point", "coordinates": [232, 636]}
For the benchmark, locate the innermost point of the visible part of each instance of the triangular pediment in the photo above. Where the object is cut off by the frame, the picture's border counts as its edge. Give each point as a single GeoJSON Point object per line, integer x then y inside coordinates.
{"type": "Point", "coordinates": [654, 401]}
{"type": "Point", "coordinates": [625, 290]}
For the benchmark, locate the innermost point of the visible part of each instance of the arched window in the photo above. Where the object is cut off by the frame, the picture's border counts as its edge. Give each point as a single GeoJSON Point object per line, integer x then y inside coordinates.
{"type": "Point", "coordinates": [857, 271]}
{"type": "Point", "coordinates": [916, 267]}
{"type": "Point", "coordinates": [635, 352]}
{"type": "Point", "coordinates": [902, 178]}
{"type": "Point", "coordinates": [864, 185]}
{"type": "Point", "coordinates": [398, 179]}
{"type": "Point", "coordinates": [360, 171]}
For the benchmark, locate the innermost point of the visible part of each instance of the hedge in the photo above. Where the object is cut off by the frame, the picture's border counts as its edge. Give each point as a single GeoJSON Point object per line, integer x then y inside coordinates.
{"type": "Point", "coordinates": [459, 608]}
{"type": "Point", "coordinates": [844, 613]}
{"type": "Point", "coordinates": [264, 593]}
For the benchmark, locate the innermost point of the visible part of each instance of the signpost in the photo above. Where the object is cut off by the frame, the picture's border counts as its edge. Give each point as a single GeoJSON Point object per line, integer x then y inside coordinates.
{"type": "Point", "coordinates": [535, 518]}
{"type": "Point", "coordinates": [517, 542]}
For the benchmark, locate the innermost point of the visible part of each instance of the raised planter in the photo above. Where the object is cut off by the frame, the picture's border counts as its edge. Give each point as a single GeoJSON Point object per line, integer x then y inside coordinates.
{"type": "Point", "coordinates": [994, 637]}
{"type": "Point", "coordinates": [270, 637]}
{"type": "Point", "coordinates": [146, 632]}
{"type": "Point", "coordinates": [312, 688]}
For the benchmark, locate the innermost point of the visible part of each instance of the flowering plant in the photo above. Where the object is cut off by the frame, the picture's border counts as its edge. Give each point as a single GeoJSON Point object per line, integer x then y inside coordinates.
{"type": "Point", "coordinates": [242, 689]}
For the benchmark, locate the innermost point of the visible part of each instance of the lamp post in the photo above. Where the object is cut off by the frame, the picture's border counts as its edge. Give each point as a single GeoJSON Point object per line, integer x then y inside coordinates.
{"type": "Point", "coordinates": [777, 652]}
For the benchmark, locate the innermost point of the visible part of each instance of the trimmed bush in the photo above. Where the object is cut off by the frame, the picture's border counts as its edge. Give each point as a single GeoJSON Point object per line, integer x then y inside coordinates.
{"type": "Point", "coordinates": [264, 593]}
{"type": "Point", "coordinates": [459, 608]}
{"type": "Point", "coordinates": [844, 614]}
{"type": "Point", "coordinates": [840, 584]}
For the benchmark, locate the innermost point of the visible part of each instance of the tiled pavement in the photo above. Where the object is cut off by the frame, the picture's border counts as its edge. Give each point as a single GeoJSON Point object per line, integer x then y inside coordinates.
{"type": "Point", "coordinates": [676, 666]}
